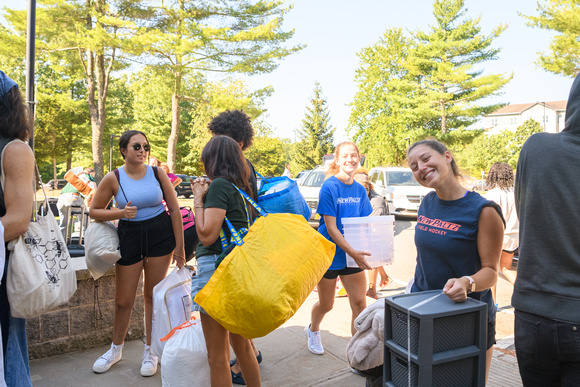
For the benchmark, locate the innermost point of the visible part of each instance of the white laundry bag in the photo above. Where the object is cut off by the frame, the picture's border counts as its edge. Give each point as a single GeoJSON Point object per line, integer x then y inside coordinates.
{"type": "Point", "coordinates": [101, 248]}
{"type": "Point", "coordinates": [171, 306]}
{"type": "Point", "coordinates": [185, 357]}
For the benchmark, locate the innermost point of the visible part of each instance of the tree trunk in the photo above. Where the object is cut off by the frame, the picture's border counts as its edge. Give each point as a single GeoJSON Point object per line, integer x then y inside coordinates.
{"type": "Point", "coordinates": [54, 166]}
{"type": "Point", "coordinates": [175, 110]}
{"type": "Point", "coordinates": [97, 79]}
{"type": "Point", "coordinates": [175, 123]}
{"type": "Point", "coordinates": [99, 128]}
{"type": "Point", "coordinates": [443, 117]}
{"type": "Point", "coordinates": [54, 155]}
{"type": "Point", "coordinates": [95, 124]}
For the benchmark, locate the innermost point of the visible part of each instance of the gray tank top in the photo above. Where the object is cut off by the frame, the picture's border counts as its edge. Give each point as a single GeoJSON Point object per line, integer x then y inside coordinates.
{"type": "Point", "coordinates": [3, 142]}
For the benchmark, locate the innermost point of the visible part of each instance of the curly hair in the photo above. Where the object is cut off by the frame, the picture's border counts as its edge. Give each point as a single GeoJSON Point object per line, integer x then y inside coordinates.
{"type": "Point", "coordinates": [14, 116]}
{"type": "Point", "coordinates": [500, 175]}
{"type": "Point", "coordinates": [235, 124]}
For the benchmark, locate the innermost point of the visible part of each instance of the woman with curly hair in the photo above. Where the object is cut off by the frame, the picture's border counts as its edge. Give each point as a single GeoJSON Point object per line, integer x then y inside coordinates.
{"type": "Point", "coordinates": [500, 183]}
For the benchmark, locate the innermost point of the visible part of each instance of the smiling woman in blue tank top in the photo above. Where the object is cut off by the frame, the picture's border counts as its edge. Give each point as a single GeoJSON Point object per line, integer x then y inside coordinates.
{"type": "Point", "coordinates": [148, 236]}
{"type": "Point", "coordinates": [458, 235]}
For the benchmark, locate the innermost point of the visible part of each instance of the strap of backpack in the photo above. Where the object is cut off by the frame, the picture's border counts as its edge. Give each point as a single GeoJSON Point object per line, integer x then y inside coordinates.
{"type": "Point", "coordinates": [116, 171]}
{"type": "Point", "coordinates": [236, 236]}
{"type": "Point", "coordinates": [159, 181]}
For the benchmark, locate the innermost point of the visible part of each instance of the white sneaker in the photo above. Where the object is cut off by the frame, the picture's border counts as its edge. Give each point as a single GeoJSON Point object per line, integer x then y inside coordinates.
{"type": "Point", "coordinates": [110, 357]}
{"type": "Point", "coordinates": [149, 366]}
{"type": "Point", "coordinates": [314, 341]}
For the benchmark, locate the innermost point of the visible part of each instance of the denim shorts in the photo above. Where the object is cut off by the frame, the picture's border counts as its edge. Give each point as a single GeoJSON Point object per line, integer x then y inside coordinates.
{"type": "Point", "coordinates": [205, 269]}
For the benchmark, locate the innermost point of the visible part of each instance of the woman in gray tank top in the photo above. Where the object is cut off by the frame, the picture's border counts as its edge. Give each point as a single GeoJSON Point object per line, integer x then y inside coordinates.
{"type": "Point", "coordinates": [16, 202]}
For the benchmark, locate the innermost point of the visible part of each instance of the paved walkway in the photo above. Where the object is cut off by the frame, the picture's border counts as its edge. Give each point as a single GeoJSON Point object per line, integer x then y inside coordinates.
{"type": "Point", "coordinates": [287, 361]}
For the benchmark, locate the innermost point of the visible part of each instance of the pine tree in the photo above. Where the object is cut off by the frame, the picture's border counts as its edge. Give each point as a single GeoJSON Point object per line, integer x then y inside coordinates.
{"type": "Point", "coordinates": [444, 60]}
{"type": "Point", "coordinates": [426, 84]}
{"type": "Point", "coordinates": [316, 135]}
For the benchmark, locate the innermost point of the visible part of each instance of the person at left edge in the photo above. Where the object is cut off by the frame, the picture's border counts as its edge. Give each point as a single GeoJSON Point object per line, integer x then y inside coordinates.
{"type": "Point", "coordinates": [16, 204]}
{"type": "Point", "coordinates": [148, 236]}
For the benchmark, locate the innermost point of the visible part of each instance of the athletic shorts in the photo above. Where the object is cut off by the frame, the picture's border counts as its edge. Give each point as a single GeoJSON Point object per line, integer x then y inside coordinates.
{"type": "Point", "coordinates": [490, 334]}
{"type": "Point", "coordinates": [148, 238]}
{"type": "Point", "coordinates": [205, 269]}
{"type": "Point", "coordinates": [332, 274]}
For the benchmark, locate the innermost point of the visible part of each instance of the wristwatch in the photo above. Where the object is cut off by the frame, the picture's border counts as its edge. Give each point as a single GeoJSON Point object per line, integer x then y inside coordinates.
{"type": "Point", "coordinates": [471, 287]}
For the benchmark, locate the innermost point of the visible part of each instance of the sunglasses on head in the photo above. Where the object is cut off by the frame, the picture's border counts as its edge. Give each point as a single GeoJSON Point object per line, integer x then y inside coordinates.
{"type": "Point", "coordinates": [146, 147]}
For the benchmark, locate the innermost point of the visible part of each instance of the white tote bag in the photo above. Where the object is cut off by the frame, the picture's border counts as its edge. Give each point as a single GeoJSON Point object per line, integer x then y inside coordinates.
{"type": "Point", "coordinates": [101, 248]}
{"type": "Point", "coordinates": [40, 275]}
{"type": "Point", "coordinates": [171, 306]}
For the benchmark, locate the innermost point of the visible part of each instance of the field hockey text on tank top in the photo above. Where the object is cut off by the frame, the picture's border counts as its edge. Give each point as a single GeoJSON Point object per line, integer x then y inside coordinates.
{"type": "Point", "coordinates": [440, 225]}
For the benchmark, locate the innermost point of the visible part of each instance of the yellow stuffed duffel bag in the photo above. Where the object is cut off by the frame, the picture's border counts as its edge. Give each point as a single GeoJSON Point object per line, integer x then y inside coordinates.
{"type": "Point", "coordinates": [263, 281]}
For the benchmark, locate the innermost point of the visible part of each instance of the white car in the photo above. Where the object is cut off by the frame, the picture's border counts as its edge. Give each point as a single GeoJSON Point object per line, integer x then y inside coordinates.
{"type": "Point", "coordinates": [310, 188]}
{"type": "Point", "coordinates": [399, 188]}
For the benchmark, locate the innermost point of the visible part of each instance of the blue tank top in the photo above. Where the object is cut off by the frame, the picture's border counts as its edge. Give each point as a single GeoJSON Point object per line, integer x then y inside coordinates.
{"type": "Point", "coordinates": [145, 194]}
{"type": "Point", "coordinates": [446, 240]}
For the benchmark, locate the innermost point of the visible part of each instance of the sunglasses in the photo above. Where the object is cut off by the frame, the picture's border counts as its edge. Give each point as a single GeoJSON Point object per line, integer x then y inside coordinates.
{"type": "Point", "coordinates": [137, 147]}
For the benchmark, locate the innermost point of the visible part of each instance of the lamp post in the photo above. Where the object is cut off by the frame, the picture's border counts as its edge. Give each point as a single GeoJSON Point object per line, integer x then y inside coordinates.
{"type": "Point", "coordinates": [544, 115]}
{"type": "Point", "coordinates": [111, 152]}
{"type": "Point", "coordinates": [30, 48]}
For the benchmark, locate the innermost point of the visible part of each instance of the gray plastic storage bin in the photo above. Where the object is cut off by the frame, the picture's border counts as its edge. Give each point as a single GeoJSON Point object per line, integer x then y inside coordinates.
{"type": "Point", "coordinates": [448, 341]}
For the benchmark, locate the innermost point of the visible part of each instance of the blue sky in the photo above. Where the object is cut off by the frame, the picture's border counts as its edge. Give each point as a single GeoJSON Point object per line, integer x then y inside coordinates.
{"type": "Point", "coordinates": [335, 31]}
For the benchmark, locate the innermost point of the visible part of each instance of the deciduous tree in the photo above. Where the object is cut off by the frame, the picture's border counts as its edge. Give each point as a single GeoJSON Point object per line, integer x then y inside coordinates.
{"type": "Point", "coordinates": [562, 16]}
{"type": "Point", "coordinates": [228, 36]}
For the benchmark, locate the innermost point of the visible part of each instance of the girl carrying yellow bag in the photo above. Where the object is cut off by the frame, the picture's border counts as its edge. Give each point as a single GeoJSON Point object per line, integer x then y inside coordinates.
{"type": "Point", "coordinates": [263, 281]}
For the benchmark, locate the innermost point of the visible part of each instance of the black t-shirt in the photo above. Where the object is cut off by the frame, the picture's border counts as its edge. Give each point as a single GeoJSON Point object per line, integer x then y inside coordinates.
{"type": "Point", "coordinates": [222, 194]}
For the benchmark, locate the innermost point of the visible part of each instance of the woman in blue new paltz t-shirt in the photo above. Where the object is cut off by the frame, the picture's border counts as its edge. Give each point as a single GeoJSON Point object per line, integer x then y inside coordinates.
{"type": "Point", "coordinates": [340, 197]}
{"type": "Point", "coordinates": [459, 234]}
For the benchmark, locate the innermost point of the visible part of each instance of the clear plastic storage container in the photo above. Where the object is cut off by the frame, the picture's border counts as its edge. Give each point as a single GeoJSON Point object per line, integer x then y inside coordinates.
{"type": "Point", "coordinates": [374, 234]}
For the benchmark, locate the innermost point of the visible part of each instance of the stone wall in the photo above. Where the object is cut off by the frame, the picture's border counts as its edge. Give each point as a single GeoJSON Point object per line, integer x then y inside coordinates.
{"type": "Point", "coordinates": [86, 321]}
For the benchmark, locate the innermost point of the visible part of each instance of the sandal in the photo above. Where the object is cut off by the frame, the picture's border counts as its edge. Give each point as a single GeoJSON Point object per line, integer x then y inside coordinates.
{"type": "Point", "coordinates": [385, 283]}
{"type": "Point", "coordinates": [238, 378]}
{"type": "Point", "coordinates": [371, 292]}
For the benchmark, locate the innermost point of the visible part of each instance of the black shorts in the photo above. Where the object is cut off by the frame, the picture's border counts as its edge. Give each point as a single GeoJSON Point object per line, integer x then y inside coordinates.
{"type": "Point", "coordinates": [332, 274]}
{"type": "Point", "coordinates": [148, 238]}
{"type": "Point", "coordinates": [490, 334]}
